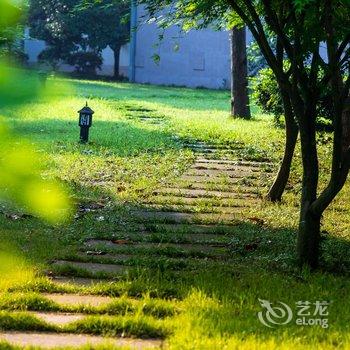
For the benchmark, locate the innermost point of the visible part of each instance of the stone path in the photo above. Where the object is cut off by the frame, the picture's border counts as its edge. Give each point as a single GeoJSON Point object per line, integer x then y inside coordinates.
{"type": "Point", "coordinates": [192, 217]}
{"type": "Point", "coordinates": [52, 340]}
{"type": "Point", "coordinates": [184, 224]}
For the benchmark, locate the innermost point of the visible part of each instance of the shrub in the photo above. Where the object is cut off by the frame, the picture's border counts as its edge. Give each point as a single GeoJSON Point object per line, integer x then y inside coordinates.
{"type": "Point", "coordinates": [267, 97]}
{"type": "Point", "coordinates": [266, 93]}
{"type": "Point", "coordinates": [85, 62]}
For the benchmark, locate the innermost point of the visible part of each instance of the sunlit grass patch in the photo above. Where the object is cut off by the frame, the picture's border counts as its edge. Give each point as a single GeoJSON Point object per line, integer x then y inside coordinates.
{"type": "Point", "coordinates": [193, 300]}
{"type": "Point", "coordinates": [14, 269]}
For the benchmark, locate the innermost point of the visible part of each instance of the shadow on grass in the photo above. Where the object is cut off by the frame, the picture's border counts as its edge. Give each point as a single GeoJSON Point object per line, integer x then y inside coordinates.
{"type": "Point", "coordinates": [118, 138]}
{"type": "Point", "coordinates": [174, 97]}
{"type": "Point", "coordinates": [222, 301]}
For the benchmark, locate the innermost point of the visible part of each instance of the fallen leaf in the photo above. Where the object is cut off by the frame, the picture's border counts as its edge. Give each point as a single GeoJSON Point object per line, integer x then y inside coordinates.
{"type": "Point", "coordinates": [121, 241]}
{"type": "Point", "coordinates": [251, 247]}
{"type": "Point", "coordinates": [257, 220]}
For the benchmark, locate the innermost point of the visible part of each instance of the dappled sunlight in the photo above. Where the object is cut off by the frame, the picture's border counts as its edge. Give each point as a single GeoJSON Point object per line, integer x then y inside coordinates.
{"type": "Point", "coordinates": [14, 269]}
{"type": "Point", "coordinates": [21, 181]}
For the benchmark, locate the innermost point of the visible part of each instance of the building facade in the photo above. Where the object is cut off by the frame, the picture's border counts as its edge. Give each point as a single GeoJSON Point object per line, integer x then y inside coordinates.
{"type": "Point", "coordinates": [198, 58]}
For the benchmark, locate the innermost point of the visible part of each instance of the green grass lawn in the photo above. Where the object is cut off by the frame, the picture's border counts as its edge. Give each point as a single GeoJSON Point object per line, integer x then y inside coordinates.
{"type": "Point", "coordinates": [213, 306]}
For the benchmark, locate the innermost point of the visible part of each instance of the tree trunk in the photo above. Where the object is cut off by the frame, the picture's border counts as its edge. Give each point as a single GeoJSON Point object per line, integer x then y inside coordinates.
{"type": "Point", "coordinates": [346, 127]}
{"type": "Point", "coordinates": [309, 222]}
{"type": "Point", "coordinates": [239, 72]}
{"type": "Point", "coordinates": [292, 130]}
{"type": "Point", "coordinates": [309, 238]}
{"type": "Point", "coordinates": [116, 52]}
{"type": "Point", "coordinates": [276, 191]}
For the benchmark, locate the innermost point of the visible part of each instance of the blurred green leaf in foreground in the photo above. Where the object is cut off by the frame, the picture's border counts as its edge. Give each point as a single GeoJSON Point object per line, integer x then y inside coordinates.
{"type": "Point", "coordinates": [21, 183]}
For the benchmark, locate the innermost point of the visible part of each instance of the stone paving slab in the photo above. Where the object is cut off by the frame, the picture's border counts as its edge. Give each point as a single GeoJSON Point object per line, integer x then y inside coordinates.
{"type": "Point", "coordinates": [221, 204]}
{"type": "Point", "coordinates": [232, 188]}
{"type": "Point", "coordinates": [91, 267]}
{"type": "Point", "coordinates": [239, 173]}
{"type": "Point", "coordinates": [194, 229]}
{"type": "Point", "coordinates": [54, 340]}
{"type": "Point", "coordinates": [161, 235]}
{"type": "Point", "coordinates": [119, 257]}
{"type": "Point", "coordinates": [179, 217]}
{"type": "Point", "coordinates": [183, 246]}
{"type": "Point", "coordinates": [58, 319]}
{"type": "Point", "coordinates": [193, 208]}
{"type": "Point", "coordinates": [77, 299]}
{"type": "Point", "coordinates": [213, 179]}
{"type": "Point", "coordinates": [207, 161]}
{"type": "Point", "coordinates": [200, 144]}
{"type": "Point", "coordinates": [230, 167]}
{"type": "Point", "coordinates": [209, 149]}
{"type": "Point", "coordinates": [78, 281]}
{"type": "Point", "coordinates": [203, 193]}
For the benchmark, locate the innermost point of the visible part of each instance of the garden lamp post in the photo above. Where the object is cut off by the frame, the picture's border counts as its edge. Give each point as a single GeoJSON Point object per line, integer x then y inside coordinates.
{"type": "Point", "coordinates": [85, 121]}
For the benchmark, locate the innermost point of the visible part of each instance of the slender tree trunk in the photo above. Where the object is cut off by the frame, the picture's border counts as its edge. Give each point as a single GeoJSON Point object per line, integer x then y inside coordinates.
{"type": "Point", "coordinates": [309, 237]}
{"type": "Point", "coordinates": [309, 222]}
{"type": "Point", "coordinates": [346, 127]}
{"type": "Point", "coordinates": [116, 52]}
{"type": "Point", "coordinates": [276, 191]}
{"type": "Point", "coordinates": [239, 74]}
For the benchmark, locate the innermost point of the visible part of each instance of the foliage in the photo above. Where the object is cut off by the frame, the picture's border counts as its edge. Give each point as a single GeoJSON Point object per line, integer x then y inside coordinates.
{"type": "Point", "coordinates": [299, 28]}
{"type": "Point", "coordinates": [133, 158]}
{"type": "Point", "coordinates": [51, 21]}
{"type": "Point", "coordinates": [20, 177]}
{"type": "Point", "coordinates": [77, 31]}
{"type": "Point", "coordinates": [256, 60]}
{"type": "Point", "coordinates": [85, 63]}
{"type": "Point", "coordinates": [11, 31]}
{"type": "Point", "coordinates": [108, 22]}
{"type": "Point", "coordinates": [266, 93]}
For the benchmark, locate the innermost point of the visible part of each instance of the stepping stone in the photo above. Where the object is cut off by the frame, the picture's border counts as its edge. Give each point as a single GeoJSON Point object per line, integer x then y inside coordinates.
{"type": "Point", "coordinates": [214, 179]}
{"type": "Point", "coordinates": [180, 217]}
{"type": "Point", "coordinates": [209, 150]}
{"type": "Point", "coordinates": [78, 281]}
{"type": "Point", "coordinates": [193, 228]}
{"type": "Point", "coordinates": [224, 167]}
{"type": "Point", "coordinates": [208, 161]}
{"type": "Point", "coordinates": [58, 319]}
{"type": "Point", "coordinates": [193, 209]}
{"type": "Point", "coordinates": [76, 299]}
{"type": "Point", "coordinates": [201, 144]}
{"type": "Point", "coordinates": [91, 267]}
{"type": "Point", "coordinates": [209, 186]}
{"type": "Point", "coordinates": [191, 203]}
{"type": "Point", "coordinates": [202, 193]}
{"type": "Point", "coordinates": [120, 257]}
{"type": "Point", "coordinates": [239, 173]}
{"type": "Point", "coordinates": [184, 246]}
{"type": "Point", "coordinates": [151, 120]}
{"type": "Point", "coordinates": [52, 340]}
{"type": "Point", "coordinates": [157, 236]}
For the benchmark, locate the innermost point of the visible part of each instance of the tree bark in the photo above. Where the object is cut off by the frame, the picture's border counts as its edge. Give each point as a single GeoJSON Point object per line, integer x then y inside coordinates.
{"type": "Point", "coordinates": [116, 52]}
{"type": "Point", "coordinates": [309, 221]}
{"type": "Point", "coordinates": [239, 74]}
{"type": "Point", "coordinates": [276, 191]}
{"type": "Point", "coordinates": [309, 237]}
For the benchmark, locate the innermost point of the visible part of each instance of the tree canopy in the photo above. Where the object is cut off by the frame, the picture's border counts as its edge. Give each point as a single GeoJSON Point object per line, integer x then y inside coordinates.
{"type": "Point", "coordinates": [78, 30]}
{"type": "Point", "coordinates": [300, 28]}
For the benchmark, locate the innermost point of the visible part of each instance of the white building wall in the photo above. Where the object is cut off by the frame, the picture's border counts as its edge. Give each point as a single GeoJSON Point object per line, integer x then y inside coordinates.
{"type": "Point", "coordinates": [34, 47]}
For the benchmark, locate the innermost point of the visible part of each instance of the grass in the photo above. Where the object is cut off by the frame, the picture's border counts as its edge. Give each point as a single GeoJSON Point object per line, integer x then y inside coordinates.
{"type": "Point", "coordinates": [187, 297]}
